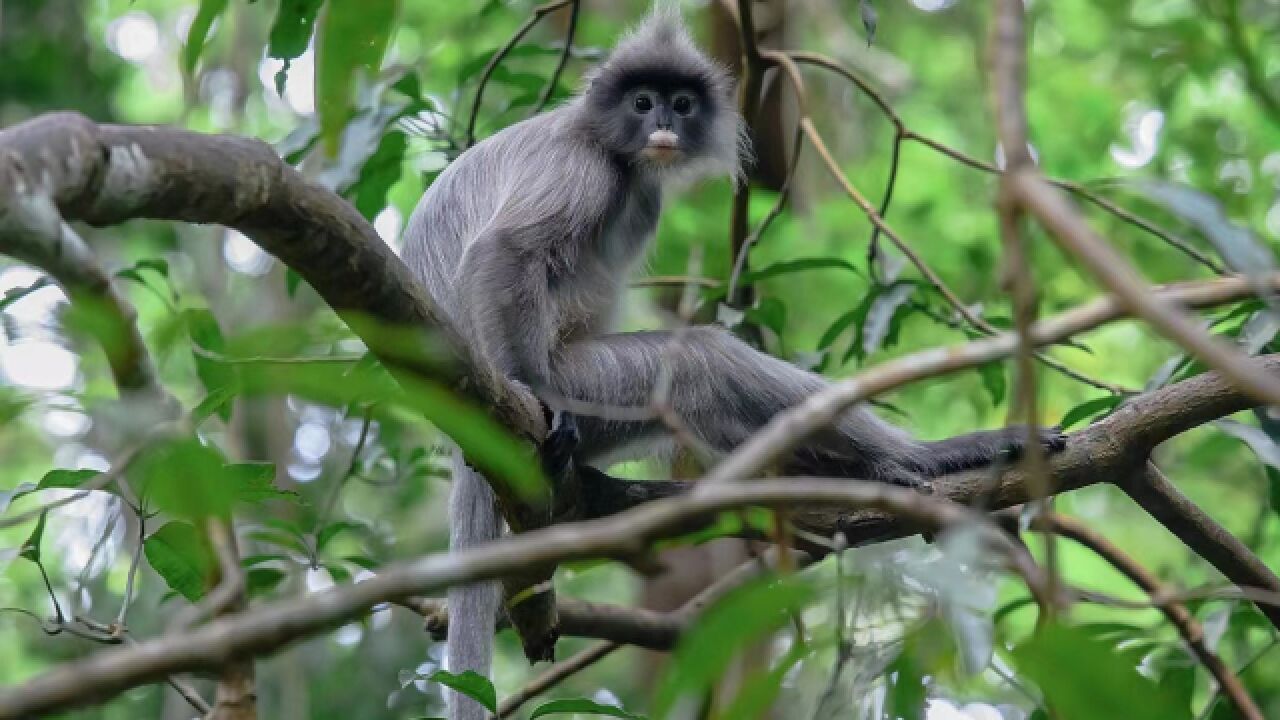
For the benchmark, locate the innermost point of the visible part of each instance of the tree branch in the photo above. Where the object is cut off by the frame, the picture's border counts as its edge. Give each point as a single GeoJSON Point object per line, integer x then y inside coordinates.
{"type": "Point", "coordinates": [268, 627]}
{"type": "Point", "coordinates": [1190, 630]}
{"type": "Point", "coordinates": [1152, 491]}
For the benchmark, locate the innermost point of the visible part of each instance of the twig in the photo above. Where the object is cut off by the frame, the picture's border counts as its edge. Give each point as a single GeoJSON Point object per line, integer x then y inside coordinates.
{"type": "Point", "coordinates": [751, 84]}
{"type": "Point", "coordinates": [815, 138]}
{"type": "Point", "coordinates": [569, 34]}
{"type": "Point", "coordinates": [134, 563]}
{"type": "Point", "coordinates": [740, 258]}
{"type": "Point", "coordinates": [1177, 614]}
{"type": "Point", "coordinates": [901, 130]}
{"type": "Point", "coordinates": [1118, 276]}
{"type": "Point", "coordinates": [539, 12]}
{"type": "Point", "coordinates": [555, 675]}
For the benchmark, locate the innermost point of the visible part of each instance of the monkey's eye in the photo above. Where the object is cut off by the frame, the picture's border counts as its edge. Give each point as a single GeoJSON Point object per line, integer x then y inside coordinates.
{"type": "Point", "coordinates": [683, 105]}
{"type": "Point", "coordinates": [643, 104]}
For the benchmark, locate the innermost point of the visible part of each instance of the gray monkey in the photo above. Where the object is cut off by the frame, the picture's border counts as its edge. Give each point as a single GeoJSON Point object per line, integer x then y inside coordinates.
{"type": "Point", "coordinates": [525, 242]}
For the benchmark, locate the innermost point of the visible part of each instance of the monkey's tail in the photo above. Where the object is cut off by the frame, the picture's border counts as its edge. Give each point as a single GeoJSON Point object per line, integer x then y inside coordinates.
{"type": "Point", "coordinates": [472, 608]}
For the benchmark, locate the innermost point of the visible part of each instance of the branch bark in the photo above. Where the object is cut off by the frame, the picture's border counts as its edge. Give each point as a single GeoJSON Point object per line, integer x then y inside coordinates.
{"type": "Point", "coordinates": [269, 627]}
{"type": "Point", "coordinates": [1177, 614]}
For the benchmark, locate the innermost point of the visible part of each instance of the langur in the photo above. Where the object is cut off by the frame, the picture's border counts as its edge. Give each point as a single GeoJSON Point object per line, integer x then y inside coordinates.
{"type": "Point", "coordinates": [525, 243]}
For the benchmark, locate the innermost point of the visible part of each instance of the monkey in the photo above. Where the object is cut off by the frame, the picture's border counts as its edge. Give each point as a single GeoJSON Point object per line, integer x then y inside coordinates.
{"type": "Point", "coordinates": [525, 242]}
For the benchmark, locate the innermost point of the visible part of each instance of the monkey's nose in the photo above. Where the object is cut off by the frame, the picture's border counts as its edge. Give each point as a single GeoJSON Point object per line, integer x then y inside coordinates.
{"type": "Point", "coordinates": [664, 139]}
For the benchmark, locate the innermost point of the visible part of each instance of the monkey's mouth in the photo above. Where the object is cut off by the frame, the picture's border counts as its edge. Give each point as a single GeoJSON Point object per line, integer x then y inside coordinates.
{"type": "Point", "coordinates": [663, 147]}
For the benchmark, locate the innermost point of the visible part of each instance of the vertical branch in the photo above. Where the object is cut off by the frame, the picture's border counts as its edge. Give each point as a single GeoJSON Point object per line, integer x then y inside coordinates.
{"type": "Point", "coordinates": [1009, 75]}
{"type": "Point", "coordinates": [235, 697]}
{"type": "Point", "coordinates": [753, 67]}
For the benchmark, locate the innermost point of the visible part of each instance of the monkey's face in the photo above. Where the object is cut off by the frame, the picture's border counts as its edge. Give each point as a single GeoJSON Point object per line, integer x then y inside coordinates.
{"type": "Point", "coordinates": [659, 122]}
{"type": "Point", "coordinates": [662, 123]}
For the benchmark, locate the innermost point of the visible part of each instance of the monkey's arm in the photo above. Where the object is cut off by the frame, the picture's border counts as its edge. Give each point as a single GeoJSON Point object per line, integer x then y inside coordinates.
{"type": "Point", "coordinates": [502, 288]}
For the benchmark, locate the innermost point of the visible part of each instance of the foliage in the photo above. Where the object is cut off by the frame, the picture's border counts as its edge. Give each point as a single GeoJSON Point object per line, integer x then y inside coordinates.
{"type": "Point", "coordinates": [330, 471]}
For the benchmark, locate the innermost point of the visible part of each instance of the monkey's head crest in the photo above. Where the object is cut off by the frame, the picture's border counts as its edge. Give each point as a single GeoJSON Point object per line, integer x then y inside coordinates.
{"type": "Point", "coordinates": [663, 107]}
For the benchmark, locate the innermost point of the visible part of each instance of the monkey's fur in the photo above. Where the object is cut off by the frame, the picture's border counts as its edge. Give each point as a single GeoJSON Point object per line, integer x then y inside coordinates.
{"type": "Point", "coordinates": [526, 241]}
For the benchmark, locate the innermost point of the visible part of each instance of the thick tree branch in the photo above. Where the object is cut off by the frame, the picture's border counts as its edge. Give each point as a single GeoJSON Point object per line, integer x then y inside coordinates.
{"type": "Point", "coordinates": [1151, 490]}
{"type": "Point", "coordinates": [63, 167]}
{"type": "Point", "coordinates": [267, 628]}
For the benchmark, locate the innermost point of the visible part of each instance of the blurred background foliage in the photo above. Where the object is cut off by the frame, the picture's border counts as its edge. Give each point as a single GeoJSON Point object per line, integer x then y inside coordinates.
{"type": "Point", "coordinates": [1176, 90]}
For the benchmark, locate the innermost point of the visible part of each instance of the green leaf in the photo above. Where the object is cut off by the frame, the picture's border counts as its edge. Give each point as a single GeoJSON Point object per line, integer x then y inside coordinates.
{"type": "Point", "coordinates": [761, 690]}
{"type": "Point", "coordinates": [205, 334]}
{"type": "Point", "coordinates": [352, 38]}
{"type": "Point", "coordinates": [200, 26]}
{"type": "Point", "coordinates": [907, 693]}
{"type": "Point", "coordinates": [1082, 678]}
{"type": "Point", "coordinates": [253, 483]}
{"type": "Point", "coordinates": [177, 553]}
{"type": "Point", "coordinates": [1090, 410]}
{"type": "Point", "coordinates": [14, 295]}
{"type": "Point", "coordinates": [1273, 488]}
{"type": "Point", "coordinates": [30, 549]}
{"type": "Point", "coordinates": [379, 173]}
{"type": "Point", "coordinates": [477, 687]}
{"type": "Point", "coordinates": [291, 30]}
{"type": "Point", "coordinates": [66, 478]}
{"type": "Point", "coordinates": [185, 478]}
{"type": "Point", "coordinates": [260, 581]}
{"type": "Point", "coordinates": [742, 617]}
{"type": "Point", "coordinates": [486, 443]}
{"type": "Point", "coordinates": [291, 282]}
{"type": "Point", "coordinates": [994, 381]}
{"type": "Point", "coordinates": [339, 573]}
{"type": "Point", "coordinates": [330, 531]}
{"type": "Point", "coordinates": [582, 706]}
{"type": "Point", "coordinates": [216, 402]}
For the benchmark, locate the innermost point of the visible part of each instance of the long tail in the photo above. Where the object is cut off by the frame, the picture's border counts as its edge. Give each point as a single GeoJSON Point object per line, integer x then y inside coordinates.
{"type": "Point", "coordinates": [472, 608]}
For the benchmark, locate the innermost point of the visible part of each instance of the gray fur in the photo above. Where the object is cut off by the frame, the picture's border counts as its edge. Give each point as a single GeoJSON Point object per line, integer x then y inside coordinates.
{"type": "Point", "coordinates": [526, 242]}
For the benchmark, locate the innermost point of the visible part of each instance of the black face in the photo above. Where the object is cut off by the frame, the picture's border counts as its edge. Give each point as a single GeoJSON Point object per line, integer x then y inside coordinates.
{"type": "Point", "coordinates": [660, 120]}
{"type": "Point", "coordinates": [665, 123]}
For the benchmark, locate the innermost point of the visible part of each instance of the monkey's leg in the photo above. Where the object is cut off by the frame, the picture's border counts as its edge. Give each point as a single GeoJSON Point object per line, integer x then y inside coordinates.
{"type": "Point", "coordinates": [722, 390]}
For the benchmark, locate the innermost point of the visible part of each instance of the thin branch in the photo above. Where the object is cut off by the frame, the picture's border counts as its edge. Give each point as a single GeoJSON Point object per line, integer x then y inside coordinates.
{"type": "Point", "coordinates": [1152, 491]}
{"type": "Point", "coordinates": [539, 12]}
{"type": "Point", "coordinates": [270, 626]}
{"type": "Point", "coordinates": [556, 674]}
{"type": "Point", "coordinates": [1009, 76]}
{"type": "Point", "coordinates": [569, 34]}
{"type": "Point", "coordinates": [1177, 614]}
{"type": "Point", "coordinates": [1115, 273]}
{"type": "Point", "coordinates": [1254, 70]}
{"type": "Point", "coordinates": [751, 85]}
{"type": "Point", "coordinates": [784, 61]}
{"type": "Point", "coordinates": [784, 194]}
{"type": "Point", "coordinates": [901, 130]}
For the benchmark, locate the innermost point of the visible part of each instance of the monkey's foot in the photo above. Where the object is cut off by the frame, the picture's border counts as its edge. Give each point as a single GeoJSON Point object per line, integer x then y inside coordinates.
{"type": "Point", "coordinates": [1052, 440]}
{"type": "Point", "coordinates": [559, 446]}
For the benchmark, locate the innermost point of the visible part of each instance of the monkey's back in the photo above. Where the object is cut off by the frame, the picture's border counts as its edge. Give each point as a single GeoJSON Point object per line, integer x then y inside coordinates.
{"type": "Point", "coordinates": [535, 171]}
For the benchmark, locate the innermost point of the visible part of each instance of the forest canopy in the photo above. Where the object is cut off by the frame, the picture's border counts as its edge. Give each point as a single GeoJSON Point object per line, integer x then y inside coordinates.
{"type": "Point", "coordinates": [227, 407]}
